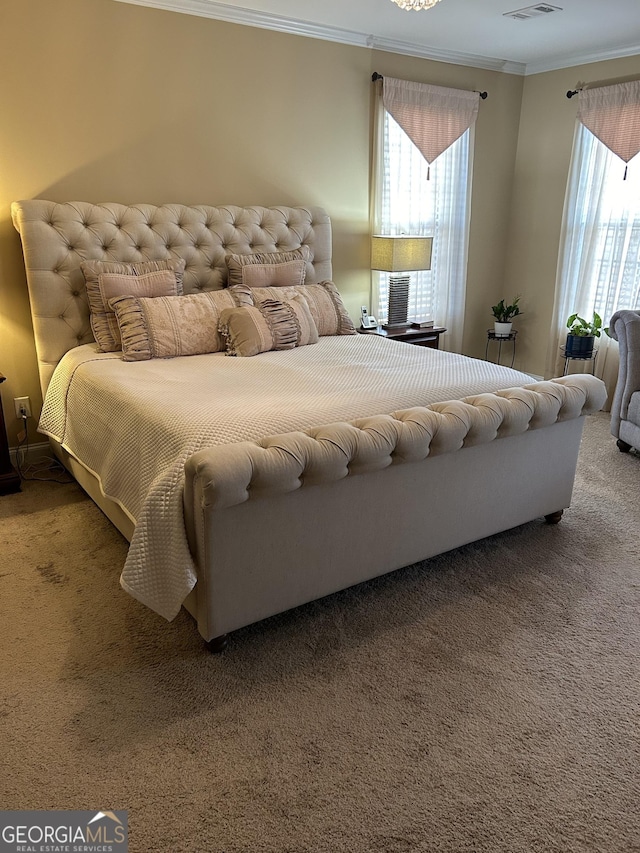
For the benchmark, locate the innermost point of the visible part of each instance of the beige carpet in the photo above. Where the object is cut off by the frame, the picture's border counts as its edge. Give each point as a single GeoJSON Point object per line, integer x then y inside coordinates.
{"type": "Point", "coordinates": [486, 700]}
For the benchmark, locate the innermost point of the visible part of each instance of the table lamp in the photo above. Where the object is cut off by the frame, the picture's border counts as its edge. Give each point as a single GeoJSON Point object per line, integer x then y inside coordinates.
{"type": "Point", "coordinates": [400, 254]}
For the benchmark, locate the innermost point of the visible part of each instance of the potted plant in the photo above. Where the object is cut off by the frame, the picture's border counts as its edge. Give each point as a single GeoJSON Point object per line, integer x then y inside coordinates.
{"type": "Point", "coordinates": [503, 315]}
{"type": "Point", "coordinates": [582, 336]}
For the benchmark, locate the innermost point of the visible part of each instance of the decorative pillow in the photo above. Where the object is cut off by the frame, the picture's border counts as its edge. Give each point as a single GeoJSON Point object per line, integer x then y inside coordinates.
{"type": "Point", "coordinates": [269, 269]}
{"type": "Point", "coordinates": [323, 300]}
{"type": "Point", "coordinates": [106, 280]}
{"type": "Point", "coordinates": [270, 325]}
{"type": "Point", "coordinates": [169, 326]}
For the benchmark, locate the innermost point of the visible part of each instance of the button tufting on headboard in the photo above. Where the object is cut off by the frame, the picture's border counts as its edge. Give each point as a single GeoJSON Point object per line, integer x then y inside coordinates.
{"type": "Point", "coordinates": [57, 237]}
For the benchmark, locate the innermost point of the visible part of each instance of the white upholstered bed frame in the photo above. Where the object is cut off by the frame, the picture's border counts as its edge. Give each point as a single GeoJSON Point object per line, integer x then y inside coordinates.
{"type": "Point", "coordinates": [441, 476]}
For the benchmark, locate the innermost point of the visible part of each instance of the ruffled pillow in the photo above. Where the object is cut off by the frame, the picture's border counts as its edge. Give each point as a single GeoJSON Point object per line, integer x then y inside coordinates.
{"type": "Point", "coordinates": [106, 280]}
{"type": "Point", "coordinates": [169, 326]}
{"type": "Point", "coordinates": [269, 269]}
{"type": "Point", "coordinates": [269, 325]}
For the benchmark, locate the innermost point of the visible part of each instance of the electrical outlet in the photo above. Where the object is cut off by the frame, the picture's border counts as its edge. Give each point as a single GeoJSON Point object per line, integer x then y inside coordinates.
{"type": "Point", "coordinates": [22, 406]}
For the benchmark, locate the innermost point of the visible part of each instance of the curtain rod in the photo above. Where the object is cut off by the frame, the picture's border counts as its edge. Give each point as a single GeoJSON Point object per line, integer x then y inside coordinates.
{"type": "Point", "coordinates": [604, 84]}
{"type": "Point", "coordinates": [375, 76]}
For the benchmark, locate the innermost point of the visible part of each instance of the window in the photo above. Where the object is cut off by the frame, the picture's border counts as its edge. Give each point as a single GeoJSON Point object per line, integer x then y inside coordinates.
{"type": "Point", "coordinates": [602, 264]}
{"type": "Point", "coordinates": [599, 265]}
{"type": "Point", "coordinates": [431, 200]}
{"type": "Point", "coordinates": [424, 151]}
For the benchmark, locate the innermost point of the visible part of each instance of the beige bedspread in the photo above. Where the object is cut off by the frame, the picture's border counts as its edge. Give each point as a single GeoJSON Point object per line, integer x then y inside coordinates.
{"type": "Point", "coordinates": [135, 424]}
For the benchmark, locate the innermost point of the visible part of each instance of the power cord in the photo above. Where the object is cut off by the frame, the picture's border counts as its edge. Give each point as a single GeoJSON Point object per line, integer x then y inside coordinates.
{"type": "Point", "coordinates": [46, 471]}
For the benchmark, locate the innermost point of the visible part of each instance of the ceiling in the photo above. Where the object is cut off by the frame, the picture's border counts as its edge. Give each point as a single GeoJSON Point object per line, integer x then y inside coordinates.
{"type": "Point", "coordinates": [466, 32]}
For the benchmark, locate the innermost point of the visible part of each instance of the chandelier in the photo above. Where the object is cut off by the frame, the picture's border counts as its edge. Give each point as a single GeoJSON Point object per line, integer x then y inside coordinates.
{"type": "Point", "coordinates": [416, 4]}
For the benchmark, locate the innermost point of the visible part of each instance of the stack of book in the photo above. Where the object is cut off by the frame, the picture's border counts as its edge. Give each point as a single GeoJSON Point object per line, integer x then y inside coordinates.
{"type": "Point", "coordinates": [422, 324]}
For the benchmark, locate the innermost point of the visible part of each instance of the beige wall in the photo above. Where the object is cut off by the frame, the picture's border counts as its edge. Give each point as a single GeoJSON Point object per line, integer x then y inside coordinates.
{"type": "Point", "coordinates": [105, 101]}
{"type": "Point", "coordinates": [545, 141]}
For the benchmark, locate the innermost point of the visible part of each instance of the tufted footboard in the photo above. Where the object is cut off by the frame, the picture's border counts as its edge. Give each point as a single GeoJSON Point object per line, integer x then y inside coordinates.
{"type": "Point", "coordinates": [391, 489]}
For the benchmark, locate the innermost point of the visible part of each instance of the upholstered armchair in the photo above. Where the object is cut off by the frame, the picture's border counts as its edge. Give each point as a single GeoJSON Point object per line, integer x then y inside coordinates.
{"type": "Point", "coordinates": [625, 410]}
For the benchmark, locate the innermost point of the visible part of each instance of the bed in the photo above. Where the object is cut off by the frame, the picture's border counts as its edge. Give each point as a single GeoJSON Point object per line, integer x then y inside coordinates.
{"type": "Point", "coordinates": [250, 486]}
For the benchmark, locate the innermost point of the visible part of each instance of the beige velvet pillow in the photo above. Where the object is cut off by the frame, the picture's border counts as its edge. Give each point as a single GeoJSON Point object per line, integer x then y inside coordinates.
{"type": "Point", "coordinates": [271, 325]}
{"type": "Point", "coordinates": [169, 326]}
{"type": "Point", "coordinates": [323, 300]}
{"type": "Point", "coordinates": [269, 269]}
{"type": "Point", "coordinates": [106, 280]}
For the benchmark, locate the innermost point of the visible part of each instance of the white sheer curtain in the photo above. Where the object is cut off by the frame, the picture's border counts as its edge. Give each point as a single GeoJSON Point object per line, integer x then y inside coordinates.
{"type": "Point", "coordinates": [411, 196]}
{"type": "Point", "coordinates": [599, 264]}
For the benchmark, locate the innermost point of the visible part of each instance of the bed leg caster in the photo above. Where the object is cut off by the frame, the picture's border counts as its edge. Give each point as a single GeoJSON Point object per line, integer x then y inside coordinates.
{"type": "Point", "coordinates": [623, 447]}
{"type": "Point", "coordinates": [218, 644]}
{"type": "Point", "coordinates": [554, 517]}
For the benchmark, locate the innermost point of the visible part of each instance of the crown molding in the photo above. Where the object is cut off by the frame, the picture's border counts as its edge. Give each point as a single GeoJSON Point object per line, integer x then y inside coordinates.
{"type": "Point", "coordinates": [267, 21]}
{"type": "Point", "coordinates": [583, 59]}
{"type": "Point", "coordinates": [451, 56]}
{"type": "Point", "coordinates": [250, 18]}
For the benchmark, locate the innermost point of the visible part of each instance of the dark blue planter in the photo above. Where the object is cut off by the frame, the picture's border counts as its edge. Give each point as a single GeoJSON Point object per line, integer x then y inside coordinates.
{"type": "Point", "coordinates": [579, 346]}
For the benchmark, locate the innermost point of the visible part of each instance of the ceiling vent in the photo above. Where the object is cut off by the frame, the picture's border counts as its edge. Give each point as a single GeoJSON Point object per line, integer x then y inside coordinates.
{"type": "Point", "coordinates": [532, 11]}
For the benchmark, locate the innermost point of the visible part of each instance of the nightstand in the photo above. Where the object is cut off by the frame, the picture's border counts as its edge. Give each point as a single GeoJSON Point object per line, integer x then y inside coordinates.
{"type": "Point", "coordinates": [429, 337]}
{"type": "Point", "coordinates": [9, 479]}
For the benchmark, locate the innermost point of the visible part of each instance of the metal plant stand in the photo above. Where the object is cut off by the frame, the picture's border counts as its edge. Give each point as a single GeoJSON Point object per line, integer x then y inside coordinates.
{"type": "Point", "coordinates": [500, 340]}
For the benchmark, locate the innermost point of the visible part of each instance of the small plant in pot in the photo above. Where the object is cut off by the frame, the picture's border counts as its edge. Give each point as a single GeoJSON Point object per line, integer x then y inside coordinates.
{"type": "Point", "coordinates": [582, 335]}
{"type": "Point", "coordinates": [503, 314]}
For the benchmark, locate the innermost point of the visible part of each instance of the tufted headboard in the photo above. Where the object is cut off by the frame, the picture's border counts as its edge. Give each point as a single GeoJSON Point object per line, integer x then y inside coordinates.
{"type": "Point", "coordinates": [57, 237]}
